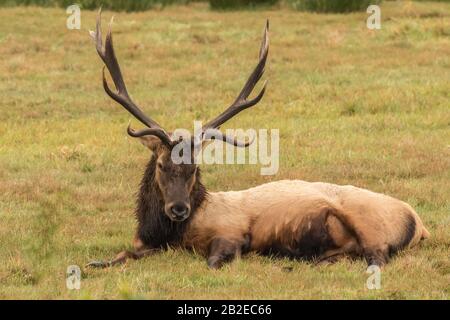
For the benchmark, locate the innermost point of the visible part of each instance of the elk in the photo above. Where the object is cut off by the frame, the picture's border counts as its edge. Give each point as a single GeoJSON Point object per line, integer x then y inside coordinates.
{"type": "Point", "coordinates": [312, 221]}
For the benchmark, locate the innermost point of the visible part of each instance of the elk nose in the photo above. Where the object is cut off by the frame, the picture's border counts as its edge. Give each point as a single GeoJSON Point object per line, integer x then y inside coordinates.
{"type": "Point", "coordinates": [179, 209]}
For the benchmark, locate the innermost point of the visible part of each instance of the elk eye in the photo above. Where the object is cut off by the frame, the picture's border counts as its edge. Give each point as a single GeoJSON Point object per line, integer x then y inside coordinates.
{"type": "Point", "coordinates": [160, 166]}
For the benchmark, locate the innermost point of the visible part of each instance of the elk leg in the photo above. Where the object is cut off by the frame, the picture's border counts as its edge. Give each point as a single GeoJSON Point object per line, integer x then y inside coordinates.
{"type": "Point", "coordinates": [371, 249]}
{"type": "Point", "coordinates": [333, 255]}
{"type": "Point", "coordinates": [376, 256]}
{"type": "Point", "coordinates": [330, 256]}
{"type": "Point", "coordinates": [122, 257]}
{"type": "Point", "coordinates": [329, 259]}
{"type": "Point", "coordinates": [221, 251]}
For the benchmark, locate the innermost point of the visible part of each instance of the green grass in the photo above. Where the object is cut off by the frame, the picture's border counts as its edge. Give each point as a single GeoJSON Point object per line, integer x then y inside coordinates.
{"type": "Point", "coordinates": [354, 106]}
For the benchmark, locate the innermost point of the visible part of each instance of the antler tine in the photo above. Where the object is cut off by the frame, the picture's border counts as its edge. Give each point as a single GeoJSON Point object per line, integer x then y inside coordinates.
{"type": "Point", "coordinates": [241, 103]}
{"type": "Point", "coordinates": [150, 132]}
{"type": "Point", "coordinates": [215, 134]}
{"type": "Point", "coordinates": [122, 97]}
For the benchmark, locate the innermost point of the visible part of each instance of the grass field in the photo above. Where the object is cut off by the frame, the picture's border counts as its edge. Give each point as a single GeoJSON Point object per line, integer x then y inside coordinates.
{"type": "Point", "coordinates": [354, 106]}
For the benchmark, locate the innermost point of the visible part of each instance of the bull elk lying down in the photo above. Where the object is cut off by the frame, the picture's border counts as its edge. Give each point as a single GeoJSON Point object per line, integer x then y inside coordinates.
{"type": "Point", "coordinates": [311, 221]}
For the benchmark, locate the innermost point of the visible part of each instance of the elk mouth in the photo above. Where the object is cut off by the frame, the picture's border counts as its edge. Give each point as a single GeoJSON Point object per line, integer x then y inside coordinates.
{"type": "Point", "coordinates": [178, 218]}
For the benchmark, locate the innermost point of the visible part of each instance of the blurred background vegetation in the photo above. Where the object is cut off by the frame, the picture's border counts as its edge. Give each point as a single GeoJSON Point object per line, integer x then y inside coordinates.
{"type": "Point", "coordinates": [240, 4]}
{"type": "Point", "coordinates": [116, 5]}
{"type": "Point", "coordinates": [340, 6]}
{"type": "Point", "coordinates": [332, 6]}
{"type": "Point", "coordinates": [133, 5]}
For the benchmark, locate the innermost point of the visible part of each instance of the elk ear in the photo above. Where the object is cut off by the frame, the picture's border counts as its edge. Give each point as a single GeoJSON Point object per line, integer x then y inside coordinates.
{"type": "Point", "coordinates": [150, 142]}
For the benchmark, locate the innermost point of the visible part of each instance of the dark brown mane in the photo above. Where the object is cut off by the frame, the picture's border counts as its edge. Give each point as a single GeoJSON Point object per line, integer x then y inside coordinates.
{"type": "Point", "coordinates": [155, 229]}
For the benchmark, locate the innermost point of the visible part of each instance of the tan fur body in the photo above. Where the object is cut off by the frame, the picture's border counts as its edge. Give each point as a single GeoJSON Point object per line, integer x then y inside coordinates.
{"type": "Point", "coordinates": [276, 212]}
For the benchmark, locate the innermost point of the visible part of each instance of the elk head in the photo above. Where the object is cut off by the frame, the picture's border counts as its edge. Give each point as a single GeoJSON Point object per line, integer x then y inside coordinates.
{"type": "Point", "coordinates": [176, 180]}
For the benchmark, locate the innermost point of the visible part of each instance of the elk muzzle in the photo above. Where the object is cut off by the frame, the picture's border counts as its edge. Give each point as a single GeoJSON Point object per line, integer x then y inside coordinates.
{"type": "Point", "coordinates": [178, 210]}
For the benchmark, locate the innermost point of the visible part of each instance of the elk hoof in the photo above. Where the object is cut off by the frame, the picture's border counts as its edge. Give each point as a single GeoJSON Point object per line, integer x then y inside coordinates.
{"type": "Point", "coordinates": [98, 264]}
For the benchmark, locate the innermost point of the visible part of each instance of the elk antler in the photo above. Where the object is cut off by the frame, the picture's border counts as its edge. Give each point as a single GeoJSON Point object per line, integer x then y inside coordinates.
{"type": "Point", "coordinates": [109, 58]}
{"type": "Point", "coordinates": [211, 130]}
{"type": "Point", "coordinates": [241, 103]}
